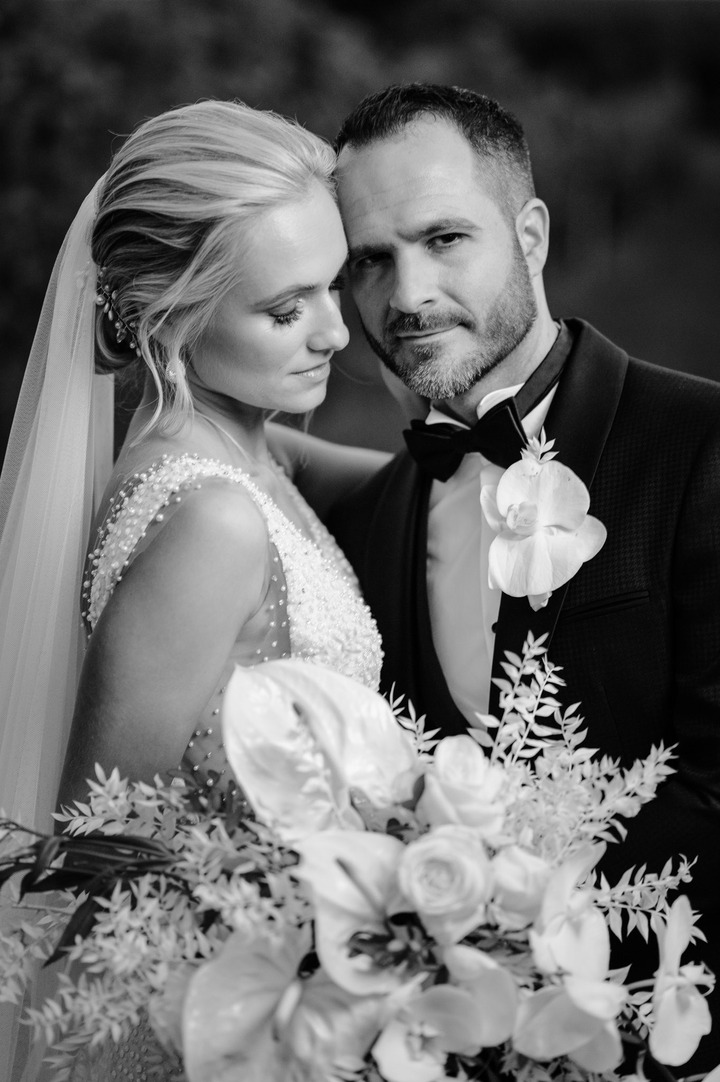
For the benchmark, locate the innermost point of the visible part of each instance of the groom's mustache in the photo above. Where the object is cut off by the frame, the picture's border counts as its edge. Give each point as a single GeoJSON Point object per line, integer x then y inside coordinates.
{"type": "Point", "coordinates": [416, 323]}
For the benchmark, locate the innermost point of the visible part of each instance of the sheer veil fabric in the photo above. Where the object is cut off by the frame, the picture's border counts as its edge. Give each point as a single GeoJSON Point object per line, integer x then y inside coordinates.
{"type": "Point", "coordinates": [58, 460]}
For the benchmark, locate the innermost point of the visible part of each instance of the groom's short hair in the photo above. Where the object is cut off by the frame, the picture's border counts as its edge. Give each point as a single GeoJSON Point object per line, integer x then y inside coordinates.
{"type": "Point", "coordinates": [495, 134]}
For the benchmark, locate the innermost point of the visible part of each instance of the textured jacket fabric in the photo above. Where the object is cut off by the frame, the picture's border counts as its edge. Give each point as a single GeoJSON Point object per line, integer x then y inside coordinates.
{"type": "Point", "coordinates": [637, 630]}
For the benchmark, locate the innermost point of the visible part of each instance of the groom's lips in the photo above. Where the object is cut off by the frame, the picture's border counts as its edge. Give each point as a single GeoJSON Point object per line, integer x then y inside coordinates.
{"type": "Point", "coordinates": [430, 332]}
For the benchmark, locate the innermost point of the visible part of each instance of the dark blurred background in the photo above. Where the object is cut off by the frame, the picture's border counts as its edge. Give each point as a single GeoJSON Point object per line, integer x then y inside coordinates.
{"type": "Point", "coordinates": [620, 100]}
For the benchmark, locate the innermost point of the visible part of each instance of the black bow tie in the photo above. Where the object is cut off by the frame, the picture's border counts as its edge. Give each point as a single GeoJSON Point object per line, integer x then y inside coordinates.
{"type": "Point", "coordinates": [440, 448]}
{"type": "Point", "coordinates": [499, 435]}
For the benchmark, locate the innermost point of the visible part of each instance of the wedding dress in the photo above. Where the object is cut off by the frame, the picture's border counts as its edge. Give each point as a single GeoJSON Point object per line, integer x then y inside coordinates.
{"type": "Point", "coordinates": [313, 610]}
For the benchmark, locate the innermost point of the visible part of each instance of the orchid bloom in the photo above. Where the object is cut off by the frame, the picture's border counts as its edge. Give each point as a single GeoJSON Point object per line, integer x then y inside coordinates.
{"type": "Point", "coordinates": [538, 511]}
{"type": "Point", "coordinates": [492, 988]}
{"type": "Point", "coordinates": [570, 936]}
{"type": "Point", "coordinates": [299, 737]}
{"type": "Point", "coordinates": [570, 939]}
{"type": "Point", "coordinates": [247, 1015]}
{"type": "Point", "coordinates": [414, 1045]}
{"type": "Point", "coordinates": [682, 1015]}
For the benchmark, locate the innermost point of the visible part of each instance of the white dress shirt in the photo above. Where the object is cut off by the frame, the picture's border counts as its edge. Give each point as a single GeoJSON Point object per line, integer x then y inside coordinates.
{"type": "Point", "coordinates": [463, 607]}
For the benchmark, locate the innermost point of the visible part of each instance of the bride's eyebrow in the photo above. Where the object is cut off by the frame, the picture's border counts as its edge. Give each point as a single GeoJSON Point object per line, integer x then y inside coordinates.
{"type": "Point", "coordinates": [284, 295]}
{"type": "Point", "coordinates": [293, 291]}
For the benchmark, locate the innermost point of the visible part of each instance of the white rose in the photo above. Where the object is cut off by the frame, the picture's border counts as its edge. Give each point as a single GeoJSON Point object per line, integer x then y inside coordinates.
{"type": "Point", "coordinates": [462, 787]}
{"type": "Point", "coordinates": [446, 877]}
{"type": "Point", "coordinates": [520, 880]}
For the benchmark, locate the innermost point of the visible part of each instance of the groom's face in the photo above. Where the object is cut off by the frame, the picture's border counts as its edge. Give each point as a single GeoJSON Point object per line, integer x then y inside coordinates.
{"type": "Point", "coordinates": [436, 268]}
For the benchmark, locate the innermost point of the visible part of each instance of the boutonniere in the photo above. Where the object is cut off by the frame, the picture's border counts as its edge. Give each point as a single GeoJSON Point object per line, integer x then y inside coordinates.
{"type": "Point", "coordinates": [544, 534]}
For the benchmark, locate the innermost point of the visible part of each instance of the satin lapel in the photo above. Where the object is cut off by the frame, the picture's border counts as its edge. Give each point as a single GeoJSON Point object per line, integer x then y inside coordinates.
{"type": "Point", "coordinates": [390, 555]}
{"type": "Point", "coordinates": [395, 583]}
{"type": "Point", "coordinates": [579, 419]}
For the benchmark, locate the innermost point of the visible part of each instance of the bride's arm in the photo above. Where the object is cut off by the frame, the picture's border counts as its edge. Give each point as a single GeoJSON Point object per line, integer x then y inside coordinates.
{"type": "Point", "coordinates": [161, 642]}
{"type": "Point", "coordinates": [323, 471]}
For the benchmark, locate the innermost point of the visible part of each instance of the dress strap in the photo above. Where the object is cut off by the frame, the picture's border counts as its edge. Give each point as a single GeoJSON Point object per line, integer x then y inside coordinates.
{"type": "Point", "coordinates": [144, 502]}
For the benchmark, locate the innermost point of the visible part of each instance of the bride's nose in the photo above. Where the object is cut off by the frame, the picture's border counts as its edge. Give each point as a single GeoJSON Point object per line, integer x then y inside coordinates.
{"type": "Point", "coordinates": [330, 331]}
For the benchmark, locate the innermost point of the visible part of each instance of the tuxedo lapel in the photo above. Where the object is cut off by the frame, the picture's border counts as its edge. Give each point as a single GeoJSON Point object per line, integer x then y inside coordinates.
{"type": "Point", "coordinates": [579, 420]}
{"type": "Point", "coordinates": [395, 585]}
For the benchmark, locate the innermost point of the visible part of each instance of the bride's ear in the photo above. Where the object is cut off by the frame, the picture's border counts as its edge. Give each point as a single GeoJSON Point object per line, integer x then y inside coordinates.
{"type": "Point", "coordinates": [532, 226]}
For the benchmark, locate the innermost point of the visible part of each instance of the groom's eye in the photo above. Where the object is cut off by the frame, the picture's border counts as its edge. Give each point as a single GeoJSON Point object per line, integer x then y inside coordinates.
{"type": "Point", "coordinates": [366, 262]}
{"type": "Point", "coordinates": [446, 240]}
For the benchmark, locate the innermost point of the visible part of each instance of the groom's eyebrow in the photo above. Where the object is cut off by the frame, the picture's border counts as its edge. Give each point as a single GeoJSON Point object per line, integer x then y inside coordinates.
{"type": "Point", "coordinates": [430, 229]}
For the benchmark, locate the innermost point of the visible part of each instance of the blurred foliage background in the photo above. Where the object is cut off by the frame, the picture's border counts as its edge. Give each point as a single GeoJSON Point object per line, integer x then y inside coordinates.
{"type": "Point", "coordinates": [620, 100]}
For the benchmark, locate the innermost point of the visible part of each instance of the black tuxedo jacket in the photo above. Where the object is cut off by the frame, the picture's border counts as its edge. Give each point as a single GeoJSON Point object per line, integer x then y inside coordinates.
{"type": "Point", "coordinates": [637, 630]}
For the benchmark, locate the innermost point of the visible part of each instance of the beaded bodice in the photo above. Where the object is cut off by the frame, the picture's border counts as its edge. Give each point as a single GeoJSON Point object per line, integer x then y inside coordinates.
{"type": "Point", "coordinates": [328, 623]}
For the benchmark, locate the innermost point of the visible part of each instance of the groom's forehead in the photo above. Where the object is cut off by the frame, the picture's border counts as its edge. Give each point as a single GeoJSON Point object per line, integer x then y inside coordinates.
{"type": "Point", "coordinates": [420, 144]}
{"type": "Point", "coordinates": [404, 184]}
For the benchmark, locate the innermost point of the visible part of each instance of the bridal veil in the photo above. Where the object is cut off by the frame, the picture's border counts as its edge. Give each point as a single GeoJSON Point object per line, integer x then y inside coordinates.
{"type": "Point", "coordinates": [58, 455]}
{"type": "Point", "coordinates": [58, 460]}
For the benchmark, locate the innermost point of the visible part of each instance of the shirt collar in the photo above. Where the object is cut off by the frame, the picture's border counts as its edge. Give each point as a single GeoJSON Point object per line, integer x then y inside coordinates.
{"type": "Point", "coordinates": [534, 420]}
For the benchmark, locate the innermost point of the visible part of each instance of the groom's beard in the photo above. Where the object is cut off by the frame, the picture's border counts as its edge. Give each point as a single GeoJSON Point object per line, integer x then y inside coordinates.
{"type": "Point", "coordinates": [434, 372]}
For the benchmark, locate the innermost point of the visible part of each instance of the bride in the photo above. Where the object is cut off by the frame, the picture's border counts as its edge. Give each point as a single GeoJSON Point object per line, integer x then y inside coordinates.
{"type": "Point", "coordinates": [206, 264]}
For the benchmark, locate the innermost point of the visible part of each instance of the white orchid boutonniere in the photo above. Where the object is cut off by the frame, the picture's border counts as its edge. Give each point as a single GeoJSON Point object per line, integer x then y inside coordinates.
{"type": "Point", "coordinates": [539, 512]}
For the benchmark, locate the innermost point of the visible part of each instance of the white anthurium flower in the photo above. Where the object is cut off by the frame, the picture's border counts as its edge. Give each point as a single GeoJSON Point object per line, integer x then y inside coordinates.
{"type": "Point", "coordinates": [299, 737]}
{"type": "Point", "coordinates": [462, 787]}
{"type": "Point", "coordinates": [247, 1015]}
{"type": "Point", "coordinates": [414, 1045]}
{"type": "Point", "coordinates": [681, 1013]}
{"type": "Point", "coordinates": [230, 1006]}
{"type": "Point", "coordinates": [539, 512]}
{"type": "Point", "coordinates": [353, 880]}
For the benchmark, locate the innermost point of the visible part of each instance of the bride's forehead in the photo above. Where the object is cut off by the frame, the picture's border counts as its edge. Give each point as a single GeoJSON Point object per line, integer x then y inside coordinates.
{"type": "Point", "coordinates": [306, 230]}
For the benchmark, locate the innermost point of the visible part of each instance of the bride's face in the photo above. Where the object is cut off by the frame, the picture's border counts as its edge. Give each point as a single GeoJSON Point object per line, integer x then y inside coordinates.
{"type": "Point", "coordinates": [272, 337]}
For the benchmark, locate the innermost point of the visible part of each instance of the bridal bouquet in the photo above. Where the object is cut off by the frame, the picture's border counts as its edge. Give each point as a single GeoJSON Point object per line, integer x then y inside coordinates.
{"type": "Point", "coordinates": [371, 904]}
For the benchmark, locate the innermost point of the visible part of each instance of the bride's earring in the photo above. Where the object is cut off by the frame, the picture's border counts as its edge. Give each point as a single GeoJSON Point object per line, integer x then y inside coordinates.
{"type": "Point", "coordinates": [174, 371]}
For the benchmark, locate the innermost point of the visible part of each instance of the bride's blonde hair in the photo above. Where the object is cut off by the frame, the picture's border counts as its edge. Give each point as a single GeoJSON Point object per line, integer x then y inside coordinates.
{"type": "Point", "coordinates": [168, 233]}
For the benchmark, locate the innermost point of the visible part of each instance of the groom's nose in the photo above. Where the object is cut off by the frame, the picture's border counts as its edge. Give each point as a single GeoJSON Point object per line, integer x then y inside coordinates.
{"type": "Point", "coordinates": [414, 282]}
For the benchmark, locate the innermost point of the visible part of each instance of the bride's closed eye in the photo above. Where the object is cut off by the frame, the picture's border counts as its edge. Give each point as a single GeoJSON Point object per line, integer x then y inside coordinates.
{"type": "Point", "coordinates": [290, 316]}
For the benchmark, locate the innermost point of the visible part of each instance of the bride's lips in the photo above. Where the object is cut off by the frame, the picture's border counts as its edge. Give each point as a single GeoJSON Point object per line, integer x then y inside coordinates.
{"type": "Point", "coordinates": [318, 372]}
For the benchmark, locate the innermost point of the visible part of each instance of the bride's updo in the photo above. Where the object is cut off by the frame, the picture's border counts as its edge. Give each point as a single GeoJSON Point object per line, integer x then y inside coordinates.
{"type": "Point", "coordinates": [169, 230]}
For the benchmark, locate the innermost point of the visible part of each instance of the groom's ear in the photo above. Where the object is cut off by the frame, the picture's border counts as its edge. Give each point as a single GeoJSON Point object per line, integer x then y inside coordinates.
{"type": "Point", "coordinates": [532, 226]}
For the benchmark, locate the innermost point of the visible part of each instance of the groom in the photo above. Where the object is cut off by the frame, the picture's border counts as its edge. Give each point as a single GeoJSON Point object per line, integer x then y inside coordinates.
{"type": "Point", "coordinates": [448, 243]}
